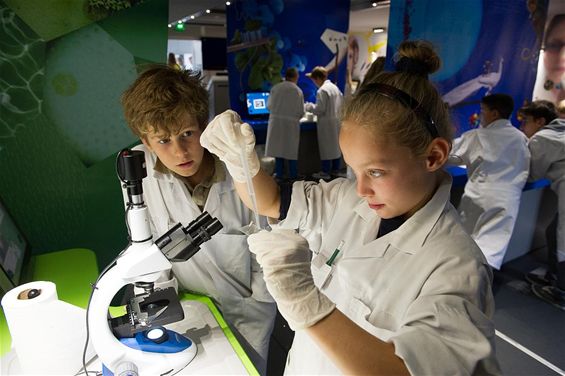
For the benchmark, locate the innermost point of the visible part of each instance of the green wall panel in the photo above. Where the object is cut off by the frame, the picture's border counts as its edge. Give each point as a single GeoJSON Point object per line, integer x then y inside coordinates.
{"type": "Point", "coordinates": [61, 188]}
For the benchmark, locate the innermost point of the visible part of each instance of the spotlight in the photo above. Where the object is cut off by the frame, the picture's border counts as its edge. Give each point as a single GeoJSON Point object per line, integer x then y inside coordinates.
{"type": "Point", "coordinates": [207, 10]}
{"type": "Point", "coordinates": [377, 30]}
{"type": "Point", "coordinates": [228, 3]}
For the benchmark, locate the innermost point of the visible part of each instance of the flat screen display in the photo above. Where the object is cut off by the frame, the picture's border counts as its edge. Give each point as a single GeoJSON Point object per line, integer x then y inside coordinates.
{"type": "Point", "coordinates": [257, 103]}
{"type": "Point", "coordinates": [13, 249]}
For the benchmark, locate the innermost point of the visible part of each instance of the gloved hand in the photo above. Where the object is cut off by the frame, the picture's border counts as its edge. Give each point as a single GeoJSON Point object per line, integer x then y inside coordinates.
{"type": "Point", "coordinates": [221, 137]}
{"type": "Point", "coordinates": [285, 258]}
{"type": "Point", "coordinates": [308, 106]}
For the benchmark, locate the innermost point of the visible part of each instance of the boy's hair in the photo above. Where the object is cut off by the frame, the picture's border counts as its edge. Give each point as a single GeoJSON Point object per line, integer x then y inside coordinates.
{"type": "Point", "coordinates": [502, 103]}
{"type": "Point", "coordinates": [161, 99]}
{"type": "Point", "coordinates": [318, 73]}
{"type": "Point", "coordinates": [391, 120]}
{"type": "Point", "coordinates": [291, 73]}
{"type": "Point", "coordinates": [540, 109]}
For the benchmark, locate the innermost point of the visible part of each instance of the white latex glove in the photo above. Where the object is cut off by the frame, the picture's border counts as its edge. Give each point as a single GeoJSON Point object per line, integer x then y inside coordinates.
{"type": "Point", "coordinates": [221, 137]}
{"type": "Point", "coordinates": [285, 258]}
{"type": "Point", "coordinates": [308, 106]}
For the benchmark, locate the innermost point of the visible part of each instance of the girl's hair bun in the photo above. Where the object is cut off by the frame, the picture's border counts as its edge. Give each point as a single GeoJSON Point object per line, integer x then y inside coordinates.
{"type": "Point", "coordinates": [417, 57]}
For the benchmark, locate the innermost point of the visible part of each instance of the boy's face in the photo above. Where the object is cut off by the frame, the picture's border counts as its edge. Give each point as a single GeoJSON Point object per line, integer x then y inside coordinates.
{"type": "Point", "coordinates": [487, 115]}
{"type": "Point", "coordinates": [180, 152]}
{"type": "Point", "coordinates": [530, 125]}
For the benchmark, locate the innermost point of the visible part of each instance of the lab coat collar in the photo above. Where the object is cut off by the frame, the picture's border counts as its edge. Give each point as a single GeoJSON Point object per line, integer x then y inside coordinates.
{"type": "Point", "coordinates": [556, 125]}
{"type": "Point", "coordinates": [412, 234]}
{"type": "Point", "coordinates": [499, 124]}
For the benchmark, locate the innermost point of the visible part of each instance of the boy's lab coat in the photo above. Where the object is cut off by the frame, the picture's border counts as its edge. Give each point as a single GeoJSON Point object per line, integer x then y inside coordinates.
{"type": "Point", "coordinates": [327, 107]}
{"type": "Point", "coordinates": [497, 160]}
{"type": "Point", "coordinates": [286, 105]}
{"type": "Point", "coordinates": [223, 268]}
{"type": "Point", "coordinates": [548, 161]}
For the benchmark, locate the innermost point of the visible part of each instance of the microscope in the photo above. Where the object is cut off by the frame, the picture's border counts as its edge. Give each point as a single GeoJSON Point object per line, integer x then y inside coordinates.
{"type": "Point", "coordinates": [137, 343]}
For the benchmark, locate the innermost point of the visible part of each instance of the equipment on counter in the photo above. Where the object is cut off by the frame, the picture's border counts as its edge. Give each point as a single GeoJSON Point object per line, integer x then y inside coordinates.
{"type": "Point", "coordinates": [136, 341]}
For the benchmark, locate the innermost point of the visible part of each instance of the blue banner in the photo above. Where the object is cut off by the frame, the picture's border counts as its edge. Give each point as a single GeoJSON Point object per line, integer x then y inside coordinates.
{"type": "Point", "coordinates": [486, 47]}
{"type": "Point", "coordinates": [265, 37]}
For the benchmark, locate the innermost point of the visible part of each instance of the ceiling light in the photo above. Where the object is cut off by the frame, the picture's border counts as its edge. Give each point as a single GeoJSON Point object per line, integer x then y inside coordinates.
{"type": "Point", "coordinates": [374, 4]}
{"type": "Point", "coordinates": [377, 30]}
{"type": "Point", "coordinates": [228, 3]}
{"type": "Point", "coordinates": [207, 10]}
{"type": "Point", "coordinates": [191, 17]}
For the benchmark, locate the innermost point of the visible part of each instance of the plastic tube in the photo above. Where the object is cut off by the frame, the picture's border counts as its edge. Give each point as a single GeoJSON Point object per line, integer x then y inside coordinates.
{"type": "Point", "coordinates": [248, 177]}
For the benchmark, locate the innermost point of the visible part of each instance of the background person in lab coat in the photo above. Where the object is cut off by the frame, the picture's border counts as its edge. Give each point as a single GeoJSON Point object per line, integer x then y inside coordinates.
{"type": "Point", "coordinates": [409, 291]}
{"type": "Point", "coordinates": [547, 146]}
{"type": "Point", "coordinates": [286, 107]}
{"type": "Point", "coordinates": [327, 107]}
{"type": "Point", "coordinates": [168, 110]}
{"type": "Point", "coordinates": [497, 158]}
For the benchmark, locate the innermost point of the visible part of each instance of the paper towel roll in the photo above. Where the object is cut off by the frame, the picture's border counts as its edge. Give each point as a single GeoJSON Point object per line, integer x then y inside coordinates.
{"type": "Point", "coordinates": [47, 334]}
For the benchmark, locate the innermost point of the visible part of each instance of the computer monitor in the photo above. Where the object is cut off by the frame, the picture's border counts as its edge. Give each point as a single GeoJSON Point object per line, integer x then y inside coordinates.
{"type": "Point", "coordinates": [14, 252]}
{"type": "Point", "coordinates": [257, 104]}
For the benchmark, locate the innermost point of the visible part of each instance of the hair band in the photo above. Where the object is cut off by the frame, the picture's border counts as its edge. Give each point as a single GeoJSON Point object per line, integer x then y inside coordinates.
{"type": "Point", "coordinates": [400, 96]}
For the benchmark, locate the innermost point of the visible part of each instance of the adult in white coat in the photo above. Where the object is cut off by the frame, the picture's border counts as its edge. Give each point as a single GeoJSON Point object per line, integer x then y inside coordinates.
{"type": "Point", "coordinates": [286, 107]}
{"type": "Point", "coordinates": [354, 310]}
{"type": "Point", "coordinates": [547, 146]}
{"type": "Point", "coordinates": [168, 110]}
{"type": "Point", "coordinates": [327, 108]}
{"type": "Point", "coordinates": [497, 158]}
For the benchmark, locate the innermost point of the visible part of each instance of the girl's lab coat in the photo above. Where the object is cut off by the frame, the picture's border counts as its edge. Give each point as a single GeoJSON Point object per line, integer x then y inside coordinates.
{"type": "Point", "coordinates": [286, 107]}
{"type": "Point", "coordinates": [327, 107]}
{"type": "Point", "coordinates": [548, 161]}
{"type": "Point", "coordinates": [423, 287]}
{"type": "Point", "coordinates": [223, 269]}
{"type": "Point", "coordinates": [497, 160]}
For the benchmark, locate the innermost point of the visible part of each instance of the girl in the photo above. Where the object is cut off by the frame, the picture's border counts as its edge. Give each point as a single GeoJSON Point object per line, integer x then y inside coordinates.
{"type": "Point", "coordinates": [394, 284]}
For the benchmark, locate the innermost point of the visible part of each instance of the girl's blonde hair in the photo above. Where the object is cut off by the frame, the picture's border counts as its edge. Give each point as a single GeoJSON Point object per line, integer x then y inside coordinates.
{"type": "Point", "coordinates": [392, 120]}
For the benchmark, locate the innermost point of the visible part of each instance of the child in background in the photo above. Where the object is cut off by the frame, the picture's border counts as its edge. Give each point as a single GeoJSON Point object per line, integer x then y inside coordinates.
{"type": "Point", "coordinates": [547, 146]}
{"type": "Point", "coordinates": [497, 158]}
{"type": "Point", "coordinates": [408, 291]}
{"type": "Point", "coordinates": [167, 109]}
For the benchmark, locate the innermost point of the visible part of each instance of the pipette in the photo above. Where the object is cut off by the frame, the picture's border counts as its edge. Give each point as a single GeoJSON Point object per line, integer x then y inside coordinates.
{"type": "Point", "coordinates": [248, 177]}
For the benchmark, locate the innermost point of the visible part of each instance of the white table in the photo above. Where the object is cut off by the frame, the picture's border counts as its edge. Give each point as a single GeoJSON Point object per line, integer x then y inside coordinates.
{"type": "Point", "coordinates": [215, 355]}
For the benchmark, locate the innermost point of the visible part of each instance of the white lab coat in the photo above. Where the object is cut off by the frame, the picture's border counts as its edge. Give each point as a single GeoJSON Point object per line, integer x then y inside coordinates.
{"type": "Point", "coordinates": [498, 161]}
{"type": "Point", "coordinates": [423, 287]}
{"type": "Point", "coordinates": [327, 107]}
{"type": "Point", "coordinates": [223, 269]}
{"type": "Point", "coordinates": [286, 107]}
{"type": "Point", "coordinates": [548, 161]}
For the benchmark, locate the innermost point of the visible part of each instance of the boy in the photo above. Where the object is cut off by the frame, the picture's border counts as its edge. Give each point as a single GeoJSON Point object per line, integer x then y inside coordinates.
{"type": "Point", "coordinates": [327, 107]}
{"type": "Point", "coordinates": [547, 146]}
{"type": "Point", "coordinates": [168, 110]}
{"type": "Point", "coordinates": [497, 158]}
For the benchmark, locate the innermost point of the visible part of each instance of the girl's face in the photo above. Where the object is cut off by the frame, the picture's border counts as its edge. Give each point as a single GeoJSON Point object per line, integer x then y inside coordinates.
{"type": "Point", "coordinates": [554, 55]}
{"type": "Point", "coordinates": [390, 178]}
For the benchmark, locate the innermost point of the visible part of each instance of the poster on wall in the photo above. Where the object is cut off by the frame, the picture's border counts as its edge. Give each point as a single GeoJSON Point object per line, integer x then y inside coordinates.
{"type": "Point", "coordinates": [486, 47]}
{"type": "Point", "coordinates": [363, 49]}
{"type": "Point", "coordinates": [264, 38]}
{"type": "Point", "coordinates": [550, 80]}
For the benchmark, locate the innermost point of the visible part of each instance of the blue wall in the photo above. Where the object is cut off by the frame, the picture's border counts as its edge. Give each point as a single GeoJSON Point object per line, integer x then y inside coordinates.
{"type": "Point", "coordinates": [291, 33]}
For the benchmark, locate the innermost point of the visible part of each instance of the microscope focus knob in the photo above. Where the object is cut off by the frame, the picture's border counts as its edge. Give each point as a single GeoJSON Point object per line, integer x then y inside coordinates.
{"type": "Point", "coordinates": [126, 369]}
